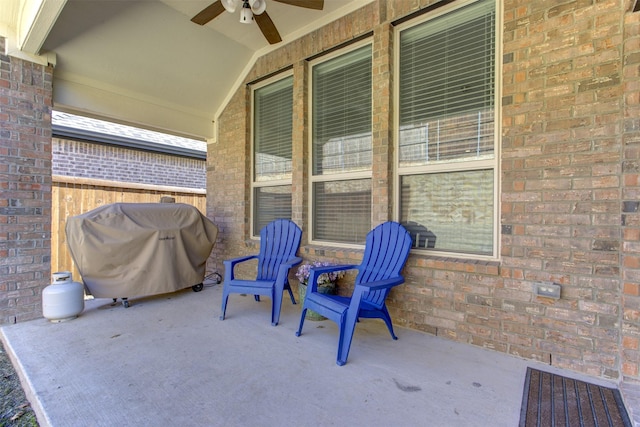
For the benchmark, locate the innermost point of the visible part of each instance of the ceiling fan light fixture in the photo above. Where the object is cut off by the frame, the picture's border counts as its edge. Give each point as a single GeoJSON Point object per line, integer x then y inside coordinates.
{"type": "Point", "coordinates": [254, 10]}
{"type": "Point", "coordinates": [230, 5]}
{"type": "Point", "coordinates": [246, 15]}
{"type": "Point", "coordinates": [258, 6]}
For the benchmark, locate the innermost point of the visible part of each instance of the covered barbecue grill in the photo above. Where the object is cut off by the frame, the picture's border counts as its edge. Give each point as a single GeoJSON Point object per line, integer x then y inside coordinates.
{"type": "Point", "coordinates": [124, 250]}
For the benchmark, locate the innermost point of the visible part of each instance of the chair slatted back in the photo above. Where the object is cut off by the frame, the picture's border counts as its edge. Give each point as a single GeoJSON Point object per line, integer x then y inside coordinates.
{"type": "Point", "coordinates": [279, 241]}
{"type": "Point", "coordinates": [386, 251]}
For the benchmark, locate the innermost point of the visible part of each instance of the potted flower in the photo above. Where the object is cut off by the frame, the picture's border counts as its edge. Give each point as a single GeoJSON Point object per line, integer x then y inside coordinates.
{"type": "Point", "coordinates": [326, 284]}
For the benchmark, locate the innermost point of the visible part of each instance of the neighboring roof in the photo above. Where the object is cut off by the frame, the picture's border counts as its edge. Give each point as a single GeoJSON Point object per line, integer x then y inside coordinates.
{"type": "Point", "coordinates": [67, 125]}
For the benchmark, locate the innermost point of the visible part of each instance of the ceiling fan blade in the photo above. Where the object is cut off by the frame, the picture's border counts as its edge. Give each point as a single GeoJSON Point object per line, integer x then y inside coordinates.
{"type": "Point", "coordinates": [208, 13]}
{"type": "Point", "coordinates": [308, 4]}
{"type": "Point", "coordinates": [268, 28]}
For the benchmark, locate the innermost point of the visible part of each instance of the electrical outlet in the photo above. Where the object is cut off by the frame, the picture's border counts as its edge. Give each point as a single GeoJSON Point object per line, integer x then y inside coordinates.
{"type": "Point", "coordinates": [547, 289]}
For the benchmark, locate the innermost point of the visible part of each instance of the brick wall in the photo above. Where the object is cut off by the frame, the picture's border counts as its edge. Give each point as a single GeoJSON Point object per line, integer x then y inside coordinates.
{"type": "Point", "coordinates": [25, 168]}
{"type": "Point", "coordinates": [561, 151]}
{"type": "Point", "coordinates": [100, 161]}
{"type": "Point", "coordinates": [569, 185]}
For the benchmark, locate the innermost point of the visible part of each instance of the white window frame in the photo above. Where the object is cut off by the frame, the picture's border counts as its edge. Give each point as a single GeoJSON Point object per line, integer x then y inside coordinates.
{"type": "Point", "coordinates": [337, 177]}
{"type": "Point", "coordinates": [255, 234]}
{"type": "Point", "coordinates": [455, 166]}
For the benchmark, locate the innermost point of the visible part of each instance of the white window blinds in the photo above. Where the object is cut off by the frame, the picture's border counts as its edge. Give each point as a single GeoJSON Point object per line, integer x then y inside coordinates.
{"type": "Point", "coordinates": [446, 137]}
{"type": "Point", "coordinates": [341, 147]}
{"type": "Point", "coordinates": [342, 113]}
{"type": "Point", "coordinates": [273, 121]}
{"type": "Point", "coordinates": [272, 143]}
{"type": "Point", "coordinates": [447, 86]}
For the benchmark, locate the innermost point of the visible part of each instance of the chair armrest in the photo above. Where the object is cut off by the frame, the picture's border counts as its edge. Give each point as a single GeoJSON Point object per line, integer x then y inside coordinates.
{"type": "Point", "coordinates": [229, 265]}
{"type": "Point", "coordinates": [291, 262]}
{"type": "Point", "coordinates": [283, 269]}
{"type": "Point", "coordinates": [331, 268]}
{"type": "Point", "coordinates": [315, 273]}
{"type": "Point", "coordinates": [234, 261]}
{"type": "Point", "coordinates": [383, 284]}
{"type": "Point", "coordinates": [362, 288]}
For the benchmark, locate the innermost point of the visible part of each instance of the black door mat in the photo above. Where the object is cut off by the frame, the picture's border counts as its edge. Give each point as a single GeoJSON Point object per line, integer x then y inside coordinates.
{"type": "Point", "coordinates": [554, 400]}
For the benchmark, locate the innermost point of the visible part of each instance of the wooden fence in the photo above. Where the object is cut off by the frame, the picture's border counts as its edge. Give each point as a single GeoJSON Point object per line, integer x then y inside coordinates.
{"type": "Point", "coordinates": [74, 196]}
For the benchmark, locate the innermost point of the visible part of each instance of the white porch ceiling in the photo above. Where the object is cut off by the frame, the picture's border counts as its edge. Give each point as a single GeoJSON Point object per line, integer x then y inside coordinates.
{"type": "Point", "coordinates": [143, 62]}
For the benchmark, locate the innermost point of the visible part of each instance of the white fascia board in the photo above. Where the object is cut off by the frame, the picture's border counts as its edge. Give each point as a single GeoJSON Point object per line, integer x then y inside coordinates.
{"type": "Point", "coordinates": [35, 21]}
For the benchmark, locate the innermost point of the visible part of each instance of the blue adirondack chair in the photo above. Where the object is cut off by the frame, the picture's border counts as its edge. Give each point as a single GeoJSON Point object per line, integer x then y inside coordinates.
{"type": "Point", "coordinates": [386, 251]}
{"type": "Point", "coordinates": [279, 243]}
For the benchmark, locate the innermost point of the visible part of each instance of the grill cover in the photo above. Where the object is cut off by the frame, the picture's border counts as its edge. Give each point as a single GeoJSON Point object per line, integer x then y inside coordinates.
{"type": "Point", "coordinates": [134, 249]}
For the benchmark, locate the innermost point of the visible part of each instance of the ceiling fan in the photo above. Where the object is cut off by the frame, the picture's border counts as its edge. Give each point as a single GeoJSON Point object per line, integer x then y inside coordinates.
{"type": "Point", "coordinates": [250, 10]}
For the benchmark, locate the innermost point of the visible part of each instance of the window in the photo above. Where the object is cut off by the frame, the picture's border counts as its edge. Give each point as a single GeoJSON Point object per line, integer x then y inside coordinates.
{"type": "Point", "coordinates": [447, 165]}
{"type": "Point", "coordinates": [341, 148]}
{"type": "Point", "coordinates": [272, 140]}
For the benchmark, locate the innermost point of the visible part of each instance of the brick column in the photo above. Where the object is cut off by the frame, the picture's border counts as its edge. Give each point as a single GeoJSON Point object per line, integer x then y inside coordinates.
{"type": "Point", "coordinates": [25, 202]}
{"type": "Point", "coordinates": [382, 165]}
{"type": "Point", "coordinates": [228, 175]}
{"type": "Point", "coordinates": [630, 206]}
{"type": "Point", "coordinates": [300, 150]}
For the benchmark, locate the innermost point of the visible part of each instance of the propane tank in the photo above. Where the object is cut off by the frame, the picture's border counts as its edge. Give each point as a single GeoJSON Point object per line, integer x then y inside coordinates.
{"type": "Point", "coordinates": [63, 299]}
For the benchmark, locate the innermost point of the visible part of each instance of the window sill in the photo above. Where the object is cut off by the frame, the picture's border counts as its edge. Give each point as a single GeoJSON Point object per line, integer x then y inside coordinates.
{"type": "Point", "coordinates": [440, 262]}
{"type": "Point", "coordinates": [421, 259]}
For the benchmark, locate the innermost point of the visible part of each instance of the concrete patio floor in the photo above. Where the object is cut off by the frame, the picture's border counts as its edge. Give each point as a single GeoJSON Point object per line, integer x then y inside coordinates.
{"type": "Point", "coordinates": [169, 360]}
